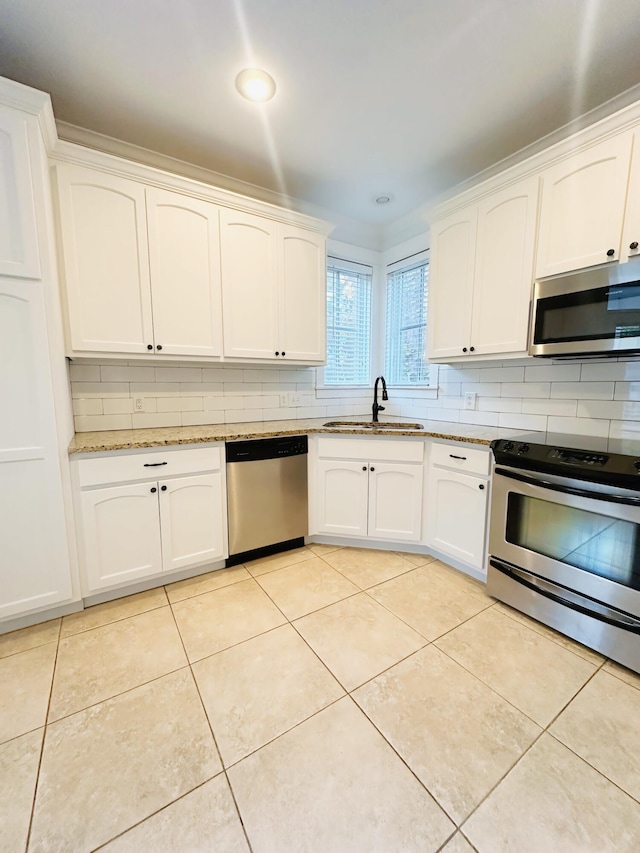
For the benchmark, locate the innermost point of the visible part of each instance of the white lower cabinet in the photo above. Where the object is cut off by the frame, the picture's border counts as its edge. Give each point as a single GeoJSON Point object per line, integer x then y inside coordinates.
{"type": "Point", "coordinates": [457, 500]}
{"type": "Point", "coordinates": [130, 531]}
{"type": "Point", "coordinates": [369, 489]}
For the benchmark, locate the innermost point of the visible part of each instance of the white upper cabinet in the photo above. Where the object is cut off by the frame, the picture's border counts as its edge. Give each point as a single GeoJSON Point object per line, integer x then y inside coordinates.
{"type": "Point", "coordinates": [184, 259]}
{"type": "Point", "coordinates": [19, 256]}
{"type": "Point", "coordinates": [631, 229]}
{"type": "Point", "coordinates": [481, 275]}
{"type": "Point", "coordinates": [583, 201]}
{"type": "Point", "coordinates": [106, 262]}
{"type": "Point", "coordinates": [273, 289]}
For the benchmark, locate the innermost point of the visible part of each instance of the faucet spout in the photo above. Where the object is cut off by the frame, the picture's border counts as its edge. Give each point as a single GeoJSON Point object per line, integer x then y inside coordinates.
{"type": "Point", "coordinates": [376, 406]}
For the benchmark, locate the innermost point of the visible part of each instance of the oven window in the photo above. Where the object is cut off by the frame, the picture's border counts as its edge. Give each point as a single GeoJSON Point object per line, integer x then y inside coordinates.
{"type": "Point", "coordinates": [596, 543]}
{"type": "Point", "coordinates": [604, 313]}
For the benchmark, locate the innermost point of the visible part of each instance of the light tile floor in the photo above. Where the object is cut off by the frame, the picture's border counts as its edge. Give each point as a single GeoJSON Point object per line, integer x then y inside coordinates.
{"type": "Point", "coordinates": [320, 700]}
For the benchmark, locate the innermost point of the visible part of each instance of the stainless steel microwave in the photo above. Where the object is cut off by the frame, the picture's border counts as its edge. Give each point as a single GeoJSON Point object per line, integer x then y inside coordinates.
{"type": "Point", "coordinates": [592, 313]}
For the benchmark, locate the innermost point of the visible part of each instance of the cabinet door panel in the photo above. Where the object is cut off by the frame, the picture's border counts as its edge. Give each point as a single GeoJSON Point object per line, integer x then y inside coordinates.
{"type": "Point", "coordinates": [193, 521]}
{"type": "Point", "coordinates": [249, 285]}
{"type": "Point", "coordinates": [631, 231]}
{"type": "Point", "coordinates": [456, 515]}
{"type": "Point", "coordinates": [121, 534]}
{"type": "Point", "coordinates": [106, 262]}
{"type": "Point", "coordinates": [184, 259]}
{"type": "Point", "coordinates": [582, 208]}
{"type": "Point", "coordinates": [395, 502]}
{"type": "Point", "coordinates": [302, 269]}
{"type": "Point", "coordinates": [453, 242]}
{"type": "Point", "coordinates": [19, 254]}
{"type": "Point", "coordinates": [504, 269]}
{"type": "Point", "coordinates": [342, 498]}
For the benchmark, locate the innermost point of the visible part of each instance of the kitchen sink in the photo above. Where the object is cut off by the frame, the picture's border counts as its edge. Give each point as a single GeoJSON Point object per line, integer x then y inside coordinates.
{"type": "Point", "coordinates": [371, 425]}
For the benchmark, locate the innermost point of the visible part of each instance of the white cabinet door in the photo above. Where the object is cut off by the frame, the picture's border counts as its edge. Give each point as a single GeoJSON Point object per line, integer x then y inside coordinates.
{"type": "Point", "coordinates": [121, 534]}
{"type": "Point", "coordinates": [456, 515]}
{"type": "Point", "coordinates": [342, 497]}
{"type": "Point", "coordinates": [395, 501]}
{"type": "Point", "coordinates": [184, 258]}
{"type": "Point", "coordinates": [106, 262]}
{"type": "Point", "coordinates": [453, 243]}
{"type": "Point", "coordinates": [582, 208]}
{"type": "Point", "coordinates": [19, 255]}
{"type": "Point", "coordinates": [631, 231]}
{"type": "Point", "coordinates": [192, 519]}
{"type": "Point", "coordinates": [302, 276]}
{"type": "Point", "coordinates": [34, 558]}
{"type": "Point", "coordinates": [248, 248]}
{"type": "Point", "coordinates": [504, 269]}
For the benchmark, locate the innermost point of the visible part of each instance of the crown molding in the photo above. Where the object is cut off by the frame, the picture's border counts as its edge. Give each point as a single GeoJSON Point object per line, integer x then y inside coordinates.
{"type": "Point", "coordinates": [34, 102]}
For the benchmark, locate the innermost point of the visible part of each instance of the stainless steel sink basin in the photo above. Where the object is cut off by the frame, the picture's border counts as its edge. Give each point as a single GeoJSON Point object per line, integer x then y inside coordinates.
{"type": "Point", "coordinates": [371, 425]}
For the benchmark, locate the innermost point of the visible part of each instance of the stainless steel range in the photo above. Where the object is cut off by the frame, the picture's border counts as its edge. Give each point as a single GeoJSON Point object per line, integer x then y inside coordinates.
{"type": "Point", "coordinates": [564, 539]}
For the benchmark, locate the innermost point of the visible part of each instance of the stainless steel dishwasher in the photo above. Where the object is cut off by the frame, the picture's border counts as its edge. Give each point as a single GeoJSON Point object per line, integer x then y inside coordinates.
{"type": "Point", "coordinates": [266, 494]}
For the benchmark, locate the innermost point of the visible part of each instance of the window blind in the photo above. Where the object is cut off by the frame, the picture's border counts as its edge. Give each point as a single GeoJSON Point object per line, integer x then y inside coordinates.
{"type": "Point", "coordinates": [406, 326]}
{"type": "Point", "coordinates": [348, 325]}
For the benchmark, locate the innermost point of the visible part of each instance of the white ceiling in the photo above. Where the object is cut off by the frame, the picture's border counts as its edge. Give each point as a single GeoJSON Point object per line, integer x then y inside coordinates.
{"type": "Point", "coordinates": [404, 98]}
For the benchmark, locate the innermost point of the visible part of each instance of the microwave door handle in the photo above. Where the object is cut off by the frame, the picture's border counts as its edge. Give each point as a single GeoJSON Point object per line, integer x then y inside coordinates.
{"type": "Point", "coordinates": [569, 490]}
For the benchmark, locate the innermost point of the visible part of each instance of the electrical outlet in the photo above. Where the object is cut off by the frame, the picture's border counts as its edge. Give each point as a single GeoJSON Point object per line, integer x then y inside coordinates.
{"type": "Point", "coordinates": [470, 400]}
{"type": "Point", "coordinates": [138, 403]}
{"type": "Point", "coordinates": [283, 400]}
{"type": "Point", "coordinates": [295, 398]}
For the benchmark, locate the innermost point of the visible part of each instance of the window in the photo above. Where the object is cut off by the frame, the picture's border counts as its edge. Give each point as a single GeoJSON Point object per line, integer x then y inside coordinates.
{"type": "Point", "coordinates": [348, 324]}
{"type": "Point", "coordinates": [406, 332]}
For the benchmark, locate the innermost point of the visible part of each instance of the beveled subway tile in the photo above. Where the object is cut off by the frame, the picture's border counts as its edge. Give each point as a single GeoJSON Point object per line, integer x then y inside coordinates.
{"type": "Point", "coordinates": [334, 784]}
{"type": "Point", "coordinates": [25, 680]}
{"type": "Point", "coordinates": [357, 638]}
{"type": "Point", "coordinates": [259, 689]}
{"type": "Point", "coordinates": [29, 638]}
{"type": "Point", "coordinates": [180, 590]}
{"type": "Point", "coordinates": [454, 732]}
{"type": "Point", "coordinates": [534, 673]}
{"type": "Point", "coordinates": [217, 620]}
{"type": "Point", "coordinates": [108, 767]}
{"type": "Point", "coordinates": [205, 819]}
{"type": "Point", "coordinates": [97, 664]}
{"type": "Point", "coordinates": [601, 726]}
{"type": "Point", "coordinates": [553, 800]}
{"type": "Point", "coordinates": [113, 611]}
{"type": "Point", "coordinates": [19, 761]}
{"type": "Point", "coordinates": [304, 587]}
{"type": "Point", "coordinates": [366, 566]}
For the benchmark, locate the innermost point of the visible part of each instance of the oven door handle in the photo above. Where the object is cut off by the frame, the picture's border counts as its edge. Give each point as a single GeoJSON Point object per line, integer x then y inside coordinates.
{"type": "Point", "coordinates": [569, 490]}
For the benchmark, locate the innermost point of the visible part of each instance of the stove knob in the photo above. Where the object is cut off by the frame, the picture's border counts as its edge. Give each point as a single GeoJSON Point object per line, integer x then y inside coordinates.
{"type": "Point", "coordinates": [509, 446]}
{"type": "Point", "coordinates": [636, 465]}
{"type": "Point", "coordinates": [524, 448]}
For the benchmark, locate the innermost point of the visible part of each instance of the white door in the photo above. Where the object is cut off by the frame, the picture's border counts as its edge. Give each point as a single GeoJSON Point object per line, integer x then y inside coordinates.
{"type": "Point", "coordinates": [34, 558]}
{"type": "Point", "coordinates": [106, 262]}
{"type": "Point", "coordinates": [582, 207]}
{"type": "Point", "coordinates": [19, 254]}
{"type": "Point", "coordinates": [395, 501]}
{"type": "Point", "coordinates": [193, 521]}
{"type": "Point", "coordinates": [456, 515]}
{"type": "Point", "coordinates": [249, 285]}
{"type": "Point", "coordinates": [631, 230]}
{"type": "Point", "coordinates": [342, 497]}
{"type": "Point", "coordinates": [453, 245]}
{"type": "Point", "coordinates": [504, 269]}
{"type": "Point", "coordinates": [184, 258]}
{"type": "Point", "coordinates": [121, 534]}
{"type": "Point", "coordinates": [303, 276]}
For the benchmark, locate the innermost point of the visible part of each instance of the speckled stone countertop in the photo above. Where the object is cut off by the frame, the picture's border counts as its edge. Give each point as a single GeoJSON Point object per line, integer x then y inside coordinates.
{"type": "Point", "coordinates": [127, 439]}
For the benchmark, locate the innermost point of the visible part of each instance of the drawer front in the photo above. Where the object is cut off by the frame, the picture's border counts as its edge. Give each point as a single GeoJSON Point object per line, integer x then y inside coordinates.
{"type": "Point", "coordinates": [371, 449]}
{"type": "Point", "coordinates": [461, 457]}
{"type": "Point", "coordinates": [124, 468]}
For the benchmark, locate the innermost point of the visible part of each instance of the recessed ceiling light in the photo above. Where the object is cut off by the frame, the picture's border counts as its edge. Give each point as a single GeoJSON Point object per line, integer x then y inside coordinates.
{"type": "Point", "coordinates": [254, 84]}
{"type": "Point", "coordinates": [383, 199]}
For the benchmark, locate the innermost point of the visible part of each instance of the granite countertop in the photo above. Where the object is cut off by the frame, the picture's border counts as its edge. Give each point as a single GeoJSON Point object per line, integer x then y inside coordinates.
{"type": "Point", "coordinates": [127, 439]}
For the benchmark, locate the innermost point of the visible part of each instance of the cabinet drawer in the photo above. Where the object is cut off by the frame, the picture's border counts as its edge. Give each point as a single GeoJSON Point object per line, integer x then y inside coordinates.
{"type": "Point", "coordinates": [123, 468]}
{"type": "Point", "coordinates": [371, 449]}
{"type": "Point", "coordinates": [461, 458]}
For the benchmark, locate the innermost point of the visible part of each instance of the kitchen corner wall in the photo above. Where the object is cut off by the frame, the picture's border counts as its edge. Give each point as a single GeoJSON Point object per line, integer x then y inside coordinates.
{"type": "Point", "coordinates": [588, 398]}
{"type": "Point", "coordinates": [183, 395]}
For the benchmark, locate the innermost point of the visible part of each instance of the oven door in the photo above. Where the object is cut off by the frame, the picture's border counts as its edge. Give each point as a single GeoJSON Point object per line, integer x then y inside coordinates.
{"type": "Point", "coordinates": [579, 536]}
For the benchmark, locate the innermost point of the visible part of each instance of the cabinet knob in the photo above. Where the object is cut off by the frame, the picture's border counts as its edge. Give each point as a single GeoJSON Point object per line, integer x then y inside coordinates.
{"type": "Point", "coordinates": [149, 346]}
{"type": "Point", "coordinates": [364, 467]}
{"type": "Point", "coordinates": [481, 486]}
{"type": "Point", "coordinates": [153, 489]}
{"type": "Point", "coordinates": [633, 245]}
{"type": "Point", "coordinates": [277, 353]}
{"type": "Point", "coordinates": [372, 469]}
{"type": "Point", "coordinates": [163, 488]}
{"type": "Point", "coordinates": [610, 253]}
{"type": "Point", "coordinates": [283, 353]}
{"type": "Point", "coordinates": [472, 349]}
{"type": "Point", "coordinates": [159, 347]}
{"type": "Point", "coordinates": [464, 349]}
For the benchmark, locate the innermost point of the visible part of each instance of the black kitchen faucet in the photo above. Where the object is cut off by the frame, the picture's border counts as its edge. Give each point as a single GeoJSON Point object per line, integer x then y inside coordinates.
{"type": "Point", "coordinates": [376, 407]}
